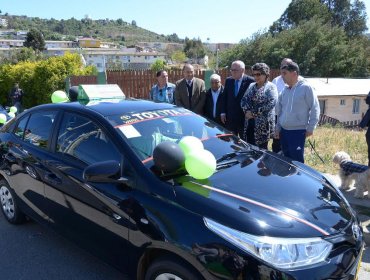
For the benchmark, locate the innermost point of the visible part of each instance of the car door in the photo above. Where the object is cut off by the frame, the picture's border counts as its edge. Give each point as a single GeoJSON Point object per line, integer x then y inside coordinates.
{"type": "Point", "coordinates": [87, 213]}
{"type": "Point", "coordinates": [27, 152]}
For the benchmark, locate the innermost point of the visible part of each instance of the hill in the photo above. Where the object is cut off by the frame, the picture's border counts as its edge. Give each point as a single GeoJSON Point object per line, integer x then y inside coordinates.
{"type": "Point", "coordinates": [118, 30]}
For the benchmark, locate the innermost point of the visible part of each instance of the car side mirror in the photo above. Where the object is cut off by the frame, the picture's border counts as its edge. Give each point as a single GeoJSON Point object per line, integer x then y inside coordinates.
{"type": "Point", "coordinates": [103, 172]}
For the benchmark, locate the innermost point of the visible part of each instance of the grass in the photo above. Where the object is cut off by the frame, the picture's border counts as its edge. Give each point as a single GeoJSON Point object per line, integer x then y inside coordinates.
{"type": "Point", "coordinates": [327, 140]}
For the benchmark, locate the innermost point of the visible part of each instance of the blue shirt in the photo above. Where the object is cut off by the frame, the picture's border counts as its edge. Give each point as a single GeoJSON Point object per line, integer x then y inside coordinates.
{"type": "Point", "coordinates": [165, 94]}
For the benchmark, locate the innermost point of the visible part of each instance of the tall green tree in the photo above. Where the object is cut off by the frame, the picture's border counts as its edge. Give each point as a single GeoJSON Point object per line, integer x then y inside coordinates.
{"type": "Point", "coordinates": [350, 16]}
{"type": "Point", "coordinates": [35, 40]}
{"type": "Point", "coordinates": [320, 49]}
{"type": "Point", "coordinates": [194, 48]}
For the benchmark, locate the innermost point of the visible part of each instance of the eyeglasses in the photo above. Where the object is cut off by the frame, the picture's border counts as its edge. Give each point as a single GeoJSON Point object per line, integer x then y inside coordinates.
{"type": "Point", "coordinates": [234, 70]}
{"type": "Point", "coordinates": [215, 82]}
{"type": "Point", "coordinates": [257, 74]}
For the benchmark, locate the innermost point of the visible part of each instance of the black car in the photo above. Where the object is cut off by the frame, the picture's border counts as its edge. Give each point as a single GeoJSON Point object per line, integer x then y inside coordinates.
{"type": "Point", "coordinates": [88, 172]}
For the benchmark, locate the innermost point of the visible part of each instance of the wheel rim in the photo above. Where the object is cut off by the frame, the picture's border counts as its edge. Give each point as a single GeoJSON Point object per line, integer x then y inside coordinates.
{"type": "Point", "coordinates": [7, 202]}
{"type": "Point", "coordinates": [167, 276]}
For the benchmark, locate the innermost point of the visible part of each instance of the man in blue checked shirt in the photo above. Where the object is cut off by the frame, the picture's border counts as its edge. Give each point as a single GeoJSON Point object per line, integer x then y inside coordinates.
{"type": "Point", "coordinates": [163, 91]}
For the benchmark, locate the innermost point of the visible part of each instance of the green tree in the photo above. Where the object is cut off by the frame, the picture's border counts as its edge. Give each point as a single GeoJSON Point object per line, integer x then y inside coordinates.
{"type": "Point", "coordinates": [159, 64]}
{"type": "Point", "coordinates": [320, 50]}
{"type": "Point", "coordinates": [35, 40]}
{"type": "Point", "coordinates": [178, 57]}
{"type": "Point", "coordinates": [194, 48]}
{"type": "Point", "coordinates": [351, 17]}
{"type": "Point", "coordinates": [298, 11]}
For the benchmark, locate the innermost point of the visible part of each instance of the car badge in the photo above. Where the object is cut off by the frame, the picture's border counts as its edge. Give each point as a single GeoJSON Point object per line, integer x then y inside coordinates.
{"type": "Point", "coordinates": [125, 118]}
{"type": "Point", "coordinates": [356, 231]}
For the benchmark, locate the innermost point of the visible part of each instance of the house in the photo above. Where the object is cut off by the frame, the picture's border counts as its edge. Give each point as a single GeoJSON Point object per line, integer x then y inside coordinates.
{"type": "Point", "coordinates": [342, 99]}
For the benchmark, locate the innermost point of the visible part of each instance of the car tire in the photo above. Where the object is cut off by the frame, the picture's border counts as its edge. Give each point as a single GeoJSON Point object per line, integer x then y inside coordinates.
{"type": "Point", "coordinates": [173, 269]}
{"type": "Point", "coordinates": [9, 205]}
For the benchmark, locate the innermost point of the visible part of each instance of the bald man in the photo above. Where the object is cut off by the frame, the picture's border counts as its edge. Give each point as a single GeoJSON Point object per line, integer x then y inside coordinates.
{"type": "Point", "coordinates": [190, 92]}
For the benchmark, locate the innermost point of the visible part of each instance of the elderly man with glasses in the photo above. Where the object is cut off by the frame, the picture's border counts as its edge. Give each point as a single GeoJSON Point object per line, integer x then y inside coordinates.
{"type": "Point", "coordinates": [298, 112]}
{"type": "Point", "coordinates": [163, 91]}
{"type": "Point", "coordinates": [232, 115]}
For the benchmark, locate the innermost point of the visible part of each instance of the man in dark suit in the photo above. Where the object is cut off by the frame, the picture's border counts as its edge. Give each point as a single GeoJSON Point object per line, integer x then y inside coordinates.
{"type": "Point", "coordinates": [190, 92]}
{"type": "Point", "coordinates": [235, 86]}
{"type": "Point", "coordinates": [213, 104]}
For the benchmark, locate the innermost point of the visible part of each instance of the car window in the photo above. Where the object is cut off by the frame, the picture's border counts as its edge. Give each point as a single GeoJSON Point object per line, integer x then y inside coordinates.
{"type": "Point", "coordinates": [19, 131]}
{"type": "Point", "coordinates": [84, 140]}
{"type": "Point", "coordinates": [38, 129]}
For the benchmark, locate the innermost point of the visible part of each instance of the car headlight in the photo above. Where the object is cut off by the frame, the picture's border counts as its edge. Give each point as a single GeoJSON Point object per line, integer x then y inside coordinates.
{"type": "Point", "coordinates": [279, 252]}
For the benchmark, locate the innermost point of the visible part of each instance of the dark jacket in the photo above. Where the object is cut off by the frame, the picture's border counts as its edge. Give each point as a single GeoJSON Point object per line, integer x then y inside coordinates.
{"type": "Point", "coordinates": [231, 104]}
{"type": "Point", "coordinates": [208, 106]}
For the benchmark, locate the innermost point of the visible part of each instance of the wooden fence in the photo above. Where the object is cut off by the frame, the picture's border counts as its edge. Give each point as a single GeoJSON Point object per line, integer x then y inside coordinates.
{"type": "Point", "coordinates": [137, 83]}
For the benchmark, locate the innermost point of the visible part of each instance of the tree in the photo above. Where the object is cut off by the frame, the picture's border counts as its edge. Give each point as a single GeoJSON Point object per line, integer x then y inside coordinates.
{"type": "Point", "coordinates": [35, 40]}
{"type": "Point", "coordinates": [178, 57]}
{"type": "Point", "coordinates": [351, 17]}
{"type": "Point", "coordinates": [320, 50]}
{"type": "Point", "coordinates": [356, 23]}
{"type": "Point", "coordinates": [159, 64]}
{"type": "Point", "coordinates": [133, 23]}
{"type": "Point", "coordinates": [194, 48]}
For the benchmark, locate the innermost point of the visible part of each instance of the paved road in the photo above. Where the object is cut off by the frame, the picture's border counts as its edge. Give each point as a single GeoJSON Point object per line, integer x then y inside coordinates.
{"type": "Point", "coordinates": [30, 251]}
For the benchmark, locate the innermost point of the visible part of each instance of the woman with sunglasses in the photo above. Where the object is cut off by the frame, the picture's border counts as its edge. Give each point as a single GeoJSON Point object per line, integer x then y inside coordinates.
{"type": "Point", "coordinates": [258, 104]}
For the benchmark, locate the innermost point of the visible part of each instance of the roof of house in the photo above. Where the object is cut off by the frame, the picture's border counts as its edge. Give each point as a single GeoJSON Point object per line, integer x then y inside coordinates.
{"type": "Point", "coordinates": [340, 86]}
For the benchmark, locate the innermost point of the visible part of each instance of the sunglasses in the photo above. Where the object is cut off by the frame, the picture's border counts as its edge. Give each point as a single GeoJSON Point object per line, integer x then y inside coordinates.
{"type": "Point", "coordinates": [256, 74]}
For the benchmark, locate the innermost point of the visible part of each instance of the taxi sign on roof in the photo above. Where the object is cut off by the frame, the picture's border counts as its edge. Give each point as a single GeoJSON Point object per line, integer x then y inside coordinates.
{"type": "Point", "coordinates": [98, 92]}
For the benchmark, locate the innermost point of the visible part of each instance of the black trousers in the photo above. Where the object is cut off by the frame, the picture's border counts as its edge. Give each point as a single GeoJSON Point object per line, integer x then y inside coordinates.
{"type": "Point", "coordinates": [368, 145]}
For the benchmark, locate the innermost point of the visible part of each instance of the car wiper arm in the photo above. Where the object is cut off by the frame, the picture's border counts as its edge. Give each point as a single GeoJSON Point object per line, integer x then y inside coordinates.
{"type": "Point", "coordinates": [232, 155]}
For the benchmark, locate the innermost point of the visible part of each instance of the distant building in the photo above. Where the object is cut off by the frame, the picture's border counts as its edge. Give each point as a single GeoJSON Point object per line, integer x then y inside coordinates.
{"type": "Point", "coordinates": [3, 22]}
{"type": "Point", "coordinates": [89, 43]}
{"type": "Point", "coordinates": [340, 98]}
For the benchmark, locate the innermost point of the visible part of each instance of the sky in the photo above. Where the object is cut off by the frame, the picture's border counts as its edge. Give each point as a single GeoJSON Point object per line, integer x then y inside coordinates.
{"type": "Point", "coordinates": [213, 21]}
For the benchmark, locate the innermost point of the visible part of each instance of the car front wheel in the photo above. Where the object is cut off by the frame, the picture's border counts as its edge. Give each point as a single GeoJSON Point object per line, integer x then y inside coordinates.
{"type": "Point", "coordinates": [9, 205]}
{"type": "Point", "coordinates": [166, 269]}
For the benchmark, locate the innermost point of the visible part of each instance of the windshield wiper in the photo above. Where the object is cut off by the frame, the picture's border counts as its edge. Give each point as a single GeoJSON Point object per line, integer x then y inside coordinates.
{"type": "Point", "coordinates": [232, 155]}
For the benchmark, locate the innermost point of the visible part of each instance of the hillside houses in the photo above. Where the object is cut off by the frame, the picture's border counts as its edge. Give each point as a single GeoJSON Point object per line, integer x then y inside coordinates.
{"type": "Point", "coordinates": [104, 55]}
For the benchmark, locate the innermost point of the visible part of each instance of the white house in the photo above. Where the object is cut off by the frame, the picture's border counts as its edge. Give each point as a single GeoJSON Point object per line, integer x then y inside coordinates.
{"type": "Point", "coordinates": [340, 98]}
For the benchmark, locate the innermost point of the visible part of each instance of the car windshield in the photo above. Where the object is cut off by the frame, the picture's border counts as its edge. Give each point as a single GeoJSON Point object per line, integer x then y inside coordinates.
{"type": "Point", "coordinates": [145, 130]}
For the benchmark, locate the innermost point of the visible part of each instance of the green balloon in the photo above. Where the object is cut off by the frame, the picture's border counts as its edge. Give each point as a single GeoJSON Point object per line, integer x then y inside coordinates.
{"type": "Point", "coordinates": [200, 164]}
{"type": "Point", "coordinates": [59, 96]}
{"type": "Point", "coordinates": [190, 144]}
{"type": "Point", "coordinates": [11, 114]}
{"type": "Point", "coordinates": [13, 109]}
{"type": "Point", "coordinates": [2, 118]}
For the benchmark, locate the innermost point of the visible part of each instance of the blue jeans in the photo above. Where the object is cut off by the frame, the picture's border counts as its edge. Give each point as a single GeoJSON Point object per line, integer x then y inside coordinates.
{"type": "Point", "coordinates": [292, 143]}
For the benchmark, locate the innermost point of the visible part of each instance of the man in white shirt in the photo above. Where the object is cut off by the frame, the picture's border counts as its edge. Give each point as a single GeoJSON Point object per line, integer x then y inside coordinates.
{"type": "Point", "coordinates": [213, 105]}
{"type": "Point", "coordinates": [280, 84]}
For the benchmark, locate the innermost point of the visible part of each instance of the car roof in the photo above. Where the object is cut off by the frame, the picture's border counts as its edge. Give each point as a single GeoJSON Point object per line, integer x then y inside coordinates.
{"type": "Point", "coordinates": [108, 108]}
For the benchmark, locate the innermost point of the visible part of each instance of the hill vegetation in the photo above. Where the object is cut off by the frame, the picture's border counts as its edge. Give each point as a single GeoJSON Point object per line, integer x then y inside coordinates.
{"type": "Point", "coordinates": [326, 38]}
{"type": "Point", "coordinates": [118, 30]}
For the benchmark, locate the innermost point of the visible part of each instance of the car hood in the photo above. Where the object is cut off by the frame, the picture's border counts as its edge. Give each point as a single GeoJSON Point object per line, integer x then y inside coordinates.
{"type": "Point", "coordinates": [263, 193]}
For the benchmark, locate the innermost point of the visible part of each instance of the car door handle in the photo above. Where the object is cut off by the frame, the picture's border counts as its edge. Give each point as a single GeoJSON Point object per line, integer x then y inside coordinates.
{"type": "Point", "coordinates": [52, 179]}
{"type": "Point", "coordinates": [9, 157]}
